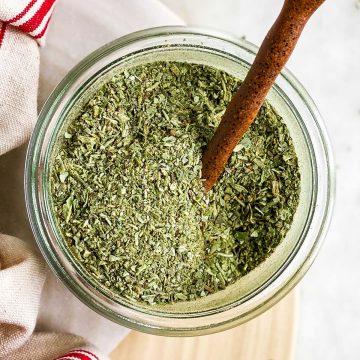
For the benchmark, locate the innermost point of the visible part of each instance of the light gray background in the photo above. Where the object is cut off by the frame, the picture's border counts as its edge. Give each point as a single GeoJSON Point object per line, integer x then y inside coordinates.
{"type": "Point", "coordinates": [327, 62]}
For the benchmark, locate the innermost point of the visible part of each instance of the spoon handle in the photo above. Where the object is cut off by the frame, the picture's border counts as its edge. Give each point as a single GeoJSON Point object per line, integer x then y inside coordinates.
{"type": "Point", "coordinates": [245, 104]}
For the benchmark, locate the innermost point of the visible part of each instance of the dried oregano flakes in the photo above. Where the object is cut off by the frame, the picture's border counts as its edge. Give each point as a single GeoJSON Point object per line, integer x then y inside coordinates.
{"type": "Point", "coordinates": [127, 194]}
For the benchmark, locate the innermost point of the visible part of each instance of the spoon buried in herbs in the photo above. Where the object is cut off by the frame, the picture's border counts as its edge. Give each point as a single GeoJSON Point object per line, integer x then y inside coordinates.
{"type": "Point", "coordinates": [245, 104]}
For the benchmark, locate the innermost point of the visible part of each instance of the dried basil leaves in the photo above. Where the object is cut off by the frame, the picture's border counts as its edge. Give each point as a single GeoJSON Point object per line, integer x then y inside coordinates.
{"type": "Point", "coordinates": [127, 194]}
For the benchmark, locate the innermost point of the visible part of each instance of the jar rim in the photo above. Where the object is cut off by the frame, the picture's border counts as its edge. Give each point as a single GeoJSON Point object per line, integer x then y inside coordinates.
{"type": "Point", "coordinates": [34, 192]}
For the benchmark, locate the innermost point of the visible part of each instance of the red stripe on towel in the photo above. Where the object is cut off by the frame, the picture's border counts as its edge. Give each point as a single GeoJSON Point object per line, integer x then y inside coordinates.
{"type": "Point", "coordinates": [2, 32]}
{"type": "Point", "coordinates": [22, 13]}
{"type": "Point", "coordinates": [38, 36]}
{"type": "Point", "coordinates": [78, 355]}
{"type": "Point", "coordinates": [33, 23]}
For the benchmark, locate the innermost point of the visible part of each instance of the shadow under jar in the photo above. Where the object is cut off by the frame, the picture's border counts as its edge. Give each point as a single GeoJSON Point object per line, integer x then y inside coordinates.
{"type": "Point", "coordinates": [253, 293]}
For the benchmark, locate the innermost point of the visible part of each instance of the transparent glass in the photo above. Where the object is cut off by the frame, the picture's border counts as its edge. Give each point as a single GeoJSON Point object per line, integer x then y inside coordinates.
{"type": "Point", "coordinates": [255, 292]}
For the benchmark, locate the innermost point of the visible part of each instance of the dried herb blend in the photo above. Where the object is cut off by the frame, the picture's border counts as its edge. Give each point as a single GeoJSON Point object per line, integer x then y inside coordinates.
{"type": "Point", "coordinates": [127, 194]}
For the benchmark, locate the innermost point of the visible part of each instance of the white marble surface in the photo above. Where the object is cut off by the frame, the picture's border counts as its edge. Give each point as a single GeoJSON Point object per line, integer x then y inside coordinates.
{"type": "Point", "coordinates": [327, 62]}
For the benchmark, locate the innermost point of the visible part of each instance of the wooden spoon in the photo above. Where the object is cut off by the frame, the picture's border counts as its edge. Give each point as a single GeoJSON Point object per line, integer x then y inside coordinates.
{"type": "Point", "coordinates": [245, 104]}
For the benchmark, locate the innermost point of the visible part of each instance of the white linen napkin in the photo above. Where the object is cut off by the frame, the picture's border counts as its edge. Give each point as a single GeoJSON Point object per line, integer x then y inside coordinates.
{"type": "Point", "coordinates": [22, 276]}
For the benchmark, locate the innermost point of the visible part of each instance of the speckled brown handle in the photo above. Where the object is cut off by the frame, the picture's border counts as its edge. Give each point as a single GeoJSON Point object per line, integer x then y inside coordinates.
{"type": "Point", "coordinates": [245, 104]}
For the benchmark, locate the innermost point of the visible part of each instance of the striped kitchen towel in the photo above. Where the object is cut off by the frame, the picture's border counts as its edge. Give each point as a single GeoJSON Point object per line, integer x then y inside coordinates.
{"type": "Point", "coordinates": [23, 25]}
{"type": "Point", "coordinates": [30, 16]}
{"type": "Point", "coordinates": [79, 355]}
{"type": "Point", "coordinates": [22, 276]}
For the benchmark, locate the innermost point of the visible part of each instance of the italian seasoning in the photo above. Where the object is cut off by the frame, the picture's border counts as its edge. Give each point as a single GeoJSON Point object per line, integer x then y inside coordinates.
{"type": "Point", "coordinates": [127, 194]}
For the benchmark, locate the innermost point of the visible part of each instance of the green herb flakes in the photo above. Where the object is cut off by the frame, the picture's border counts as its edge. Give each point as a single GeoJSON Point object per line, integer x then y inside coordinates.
{"type": "Point", "coordinates": [127, 194]}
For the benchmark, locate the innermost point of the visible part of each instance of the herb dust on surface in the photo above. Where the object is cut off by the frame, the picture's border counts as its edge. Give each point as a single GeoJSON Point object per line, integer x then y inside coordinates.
{"type": "Point", "coordinates": [127, 194]}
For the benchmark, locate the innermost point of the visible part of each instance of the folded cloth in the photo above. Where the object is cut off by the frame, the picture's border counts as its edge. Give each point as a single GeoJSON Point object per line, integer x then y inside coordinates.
{"type": "Point", "coordinates": [23, 24]}
{"type": "Point", "coordinates": [22, 276]}
{"type": "Point", "coordinates": [19, 73]}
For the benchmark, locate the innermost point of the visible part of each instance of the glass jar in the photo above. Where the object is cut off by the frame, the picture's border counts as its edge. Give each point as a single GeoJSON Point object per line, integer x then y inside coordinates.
{"type": "Point", "coordinates": [251, 294]}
